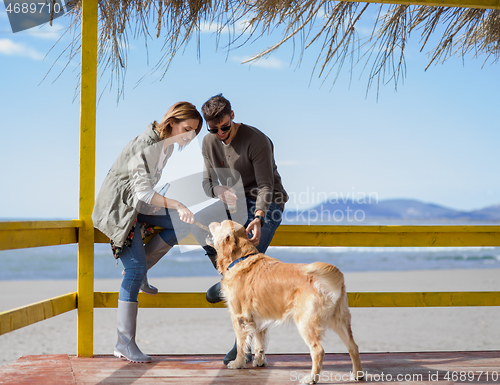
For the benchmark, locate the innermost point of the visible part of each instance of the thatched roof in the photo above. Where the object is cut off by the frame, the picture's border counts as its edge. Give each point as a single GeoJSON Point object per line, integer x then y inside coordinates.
{"type": "Point", "coordinates": [328, 24]}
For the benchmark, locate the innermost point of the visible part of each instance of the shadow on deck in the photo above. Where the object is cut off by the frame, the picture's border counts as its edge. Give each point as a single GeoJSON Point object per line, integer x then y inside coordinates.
{"type": "Point", "coordinates": [393, 368]}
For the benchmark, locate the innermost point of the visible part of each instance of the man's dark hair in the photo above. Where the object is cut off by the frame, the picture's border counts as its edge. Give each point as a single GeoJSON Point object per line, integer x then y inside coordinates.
{"type": "Point", "coordinates": [216, 108]}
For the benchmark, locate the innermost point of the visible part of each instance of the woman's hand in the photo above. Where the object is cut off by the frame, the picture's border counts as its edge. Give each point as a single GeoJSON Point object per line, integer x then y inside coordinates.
{"type": "Point", "coordinates": [185, 214]}
{"type": "Point", "coordinates": [254, 227]}
{"type": "Point", "coordinates": [225, 194]}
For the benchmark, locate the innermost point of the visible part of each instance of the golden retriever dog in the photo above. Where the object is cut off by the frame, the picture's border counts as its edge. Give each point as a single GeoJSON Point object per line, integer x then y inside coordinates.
{"type": "Point", "coordinates": [261, 291]}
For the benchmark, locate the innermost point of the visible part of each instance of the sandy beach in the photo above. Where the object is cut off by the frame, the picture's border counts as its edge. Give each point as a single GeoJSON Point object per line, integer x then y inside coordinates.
{"type": "Point", "coordinates": [163, 331]}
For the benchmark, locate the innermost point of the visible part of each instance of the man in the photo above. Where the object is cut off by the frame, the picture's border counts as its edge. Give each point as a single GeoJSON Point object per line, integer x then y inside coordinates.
{"type": "Point", "coordinates": [244, 156]}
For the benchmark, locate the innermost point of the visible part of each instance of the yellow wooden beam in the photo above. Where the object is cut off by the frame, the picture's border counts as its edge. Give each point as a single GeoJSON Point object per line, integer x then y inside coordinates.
{"type": "Point", "coordinates": [101, 238]}
{"type": "Point", "coordinates": [20, 239]}
{"type": "Point", "coordinates": [482, 4]}
{"type": "Point", "coordinates": [26, 315]}
{"type": "Point", "coordinates": [160, 300]}
{"type": "Point", "coordinates": [425, 299]}
{"type": "Point", "coordinates": [390, 228]}
{"type": "Point", "coordinates": [20, 235]}
{"type": "Point", "coordinates": [85, 327]}
{"type": "Point", "coordinates": [363, 299]}
{"type": "Point", "coordinates": [23, 316]}
{"type": "Point", "coordinates": [374, 236]}
{"type": "Point", "coordinates": [15, 235]}
{"type": "Point", "coordinates": [32, 225]}
{"type": "Point", "coordinates": [387, 236]}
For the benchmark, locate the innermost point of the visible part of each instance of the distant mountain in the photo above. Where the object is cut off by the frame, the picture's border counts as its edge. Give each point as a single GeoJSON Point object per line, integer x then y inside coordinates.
{"type": "Point", "coordinates": [491, 212]}
{"type": "Point", "coordinates": [389, 211]}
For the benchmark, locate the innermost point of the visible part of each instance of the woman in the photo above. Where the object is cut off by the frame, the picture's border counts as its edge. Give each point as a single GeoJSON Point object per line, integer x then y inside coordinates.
{"type": "Point", "coordinates": [127, 208]}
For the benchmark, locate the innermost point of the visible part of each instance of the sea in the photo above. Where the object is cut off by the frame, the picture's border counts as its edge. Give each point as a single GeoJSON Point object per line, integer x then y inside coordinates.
{"type": "Point", "coordinates": [60, 262]}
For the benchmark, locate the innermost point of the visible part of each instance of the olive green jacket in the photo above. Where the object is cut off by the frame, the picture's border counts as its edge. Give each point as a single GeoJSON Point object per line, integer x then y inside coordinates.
{"type": "Point", "coordinates": [136, 169]}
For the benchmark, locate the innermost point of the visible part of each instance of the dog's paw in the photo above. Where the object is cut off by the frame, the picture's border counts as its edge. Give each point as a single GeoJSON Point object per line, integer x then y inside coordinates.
{"type": "Point", "coordinates": [360, 376]}
{"type": "Point", "coordinates": [309, 380]}
{"type": "Point", "coordinates": [260, 362]}
{"type": "Point", "coordinates": [236, 365]}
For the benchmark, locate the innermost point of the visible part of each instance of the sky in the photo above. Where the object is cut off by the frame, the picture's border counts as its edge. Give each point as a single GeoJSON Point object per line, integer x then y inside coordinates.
{"type": "Point", "coordinates": [434, 139]}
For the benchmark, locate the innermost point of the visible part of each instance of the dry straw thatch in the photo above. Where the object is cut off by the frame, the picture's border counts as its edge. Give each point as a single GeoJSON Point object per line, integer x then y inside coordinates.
{"type": "Point", "coordinates": [332, 26]}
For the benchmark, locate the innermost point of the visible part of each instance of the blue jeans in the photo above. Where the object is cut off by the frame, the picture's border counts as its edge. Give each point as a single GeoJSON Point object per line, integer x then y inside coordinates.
{"type": "Point", "coordinates": [218, 213]}
{"type": "Point", "coordinates": [134, 257]}
{"type": "Point", "coordinates": [273, 220]}
{"type": "Point", "coordinates": [174, 229]}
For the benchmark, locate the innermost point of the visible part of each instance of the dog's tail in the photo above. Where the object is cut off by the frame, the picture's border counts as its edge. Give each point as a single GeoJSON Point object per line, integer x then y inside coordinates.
{"type": "Point", "coordinates": [329, 279]}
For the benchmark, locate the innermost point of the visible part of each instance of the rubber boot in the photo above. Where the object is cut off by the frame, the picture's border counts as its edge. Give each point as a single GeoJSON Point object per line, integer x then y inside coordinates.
{"type": "Point", "coordinates": [147, 288]}
{"type": "Point", "coordinates": [126, 326]}
{"type": "Point", "coordinates": [212, 255]}
{"type": "Point", "coordinates": [231, 355]}
{"type": "Point", "coordinates": [155, 249]}
{"type": "Point", "coordinates": [214, 294]}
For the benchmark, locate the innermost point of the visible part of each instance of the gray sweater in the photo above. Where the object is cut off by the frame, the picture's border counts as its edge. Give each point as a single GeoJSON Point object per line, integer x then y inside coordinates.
{"type": "Point", "coordinates": [250, 155]}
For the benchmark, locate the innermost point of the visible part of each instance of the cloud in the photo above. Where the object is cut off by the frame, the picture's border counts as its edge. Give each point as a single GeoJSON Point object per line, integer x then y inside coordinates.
{"type": "Point", "coordinates": [238, 28]}
{"type": "Point", "coordinates": [46, 31]}
{"type": "Point", "coordinates": [269, 62]}
{"type": "Point", "coordinates": [206, 27]}
{"type": "Point", "coordinates": [9, 48]}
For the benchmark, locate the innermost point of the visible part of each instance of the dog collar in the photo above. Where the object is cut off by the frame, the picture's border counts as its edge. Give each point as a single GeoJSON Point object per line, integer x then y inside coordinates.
{"type": "Point", "coordinates": [240, 260]}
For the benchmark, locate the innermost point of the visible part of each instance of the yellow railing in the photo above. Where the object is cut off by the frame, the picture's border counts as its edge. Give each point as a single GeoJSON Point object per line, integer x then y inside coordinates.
{"type": "Point", "coordinates": [27, 315]}
{"type": "Point", "coordinates": [14, 235]}
{"type": "Point", "coordinates": [19, 235]}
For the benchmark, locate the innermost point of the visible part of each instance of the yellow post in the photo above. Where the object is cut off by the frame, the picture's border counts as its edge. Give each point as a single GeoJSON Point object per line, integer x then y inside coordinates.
{"type": "Point", "coordinates": [85, 296]}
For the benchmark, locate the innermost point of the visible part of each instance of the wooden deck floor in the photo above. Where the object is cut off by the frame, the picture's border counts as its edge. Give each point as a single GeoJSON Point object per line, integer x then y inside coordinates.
{"type": "Point", "coordinates": [383, 368]}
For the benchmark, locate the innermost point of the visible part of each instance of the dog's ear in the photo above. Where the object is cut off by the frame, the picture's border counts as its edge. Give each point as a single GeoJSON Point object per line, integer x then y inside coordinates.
{"type": "Point", "coordinates": [237, 227]}
{"type": "Point", "coordinates": [230, 240]}
{"type": "Point", "coordinates": [225, 252]}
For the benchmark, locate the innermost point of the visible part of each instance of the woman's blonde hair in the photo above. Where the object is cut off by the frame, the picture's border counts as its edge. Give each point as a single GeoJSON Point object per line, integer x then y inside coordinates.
{"type": "Point", "coordinates": [177, 113]}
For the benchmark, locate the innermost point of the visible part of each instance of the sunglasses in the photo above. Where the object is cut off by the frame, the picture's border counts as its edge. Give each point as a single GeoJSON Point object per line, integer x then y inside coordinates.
{"type": "Point", "coordinates": [223, 128]}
